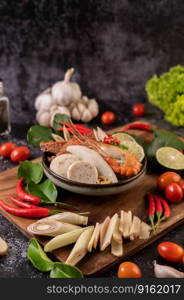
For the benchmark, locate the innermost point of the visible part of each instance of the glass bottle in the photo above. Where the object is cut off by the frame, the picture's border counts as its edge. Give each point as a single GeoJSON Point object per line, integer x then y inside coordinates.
{"type": "Point", "coordinates": [5, 126]}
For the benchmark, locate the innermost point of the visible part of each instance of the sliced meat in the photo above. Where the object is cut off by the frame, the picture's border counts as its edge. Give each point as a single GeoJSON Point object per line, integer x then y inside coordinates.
{"type": "Point", "coordinates": [94, 158]}
{"type": "Point", "coordinates": [61, 163]}
{"type": "Point", "coordinates": [82, 171]}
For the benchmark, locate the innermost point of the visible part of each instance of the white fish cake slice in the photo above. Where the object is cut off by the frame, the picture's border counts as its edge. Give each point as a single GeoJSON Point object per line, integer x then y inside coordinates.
{"type": "Point", "coordinates": [94, 158]}
{"type": "Point", "coordinates": [82, 171]}
{"type": "Point", "coordinates": [61, 163]}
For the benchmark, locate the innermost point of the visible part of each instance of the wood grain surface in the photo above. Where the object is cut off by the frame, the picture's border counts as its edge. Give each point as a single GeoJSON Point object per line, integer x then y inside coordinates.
{"type": "Point", "coordinates": [99, 207]}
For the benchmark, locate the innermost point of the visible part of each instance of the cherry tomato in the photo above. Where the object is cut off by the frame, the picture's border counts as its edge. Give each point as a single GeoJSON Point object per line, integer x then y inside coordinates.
{"type": "Point", "coordinates": [20, 154]}
{"type": "Point", "coordinates": [129, 270]}
{"type": "Point", "coordinates": [174, 193]}
{"type": "Point", "coordinates": [6, 149]}
{"type": "Point", "coordinates": [138, 110]}
{"type": "Point", "coordinates": [181, 183]}
{"type": "Point", "coordinates": [166, 178]}
{"type": "Point", "coordinates": [183, 259]}
{"type": "Point", "coordinates": [108, 117]}
{"type": "Point", "coordinates": [170, 251]}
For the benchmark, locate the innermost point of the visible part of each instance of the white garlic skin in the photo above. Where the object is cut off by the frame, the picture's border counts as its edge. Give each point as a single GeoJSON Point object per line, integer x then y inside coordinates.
{"type": "Point", "coordinates": [166, 271]}
{"type": "Point", "coordinates": [86, 116]}
{"type": "Point", "coordinates": [76, 114]}
{"type": "Point", "coordinates": [93, 107]}
{"type": "Point", "coordinates": [65, 92]}
{"type": "Point", "coordinates": [43, 117]}
{"type": "Point", "coordinates": [59, 110]}
{"type": "Point", "coordinates": [44, 102]}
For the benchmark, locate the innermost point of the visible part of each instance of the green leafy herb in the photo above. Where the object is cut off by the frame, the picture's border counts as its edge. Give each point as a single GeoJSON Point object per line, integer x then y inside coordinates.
{"type": "Point", "coordinates": [61, 270]}
{"type": "Point", "coordinates": [38, 257]}
{"type": "Point", "coordinates": [31, 172]}
{"type": "Point", "coordinates": [60, 118]}
{"type": "Point", "coordinates": [163, 138]}
{"type": "Point", "coordinates": [45, 190]}
{"type": "Point", "coordinates": [121, 146]}
{"type": "Point", "coordinates": [37, 134]}
{"type": "Point", "coordinates": [42, 263]}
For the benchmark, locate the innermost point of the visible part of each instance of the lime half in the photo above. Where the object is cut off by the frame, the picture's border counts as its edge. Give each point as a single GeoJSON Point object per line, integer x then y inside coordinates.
{"type": "Point", "coordinates": [123, 137]}
{"type": "Point", "coordinates": [129, 142]}
{"type": "Point", "coordinates": [170, 158]}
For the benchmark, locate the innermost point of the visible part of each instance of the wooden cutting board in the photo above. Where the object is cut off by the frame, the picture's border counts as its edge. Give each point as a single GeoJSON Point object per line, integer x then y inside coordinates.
{"type": "Point", "coordinates": [99, 208]}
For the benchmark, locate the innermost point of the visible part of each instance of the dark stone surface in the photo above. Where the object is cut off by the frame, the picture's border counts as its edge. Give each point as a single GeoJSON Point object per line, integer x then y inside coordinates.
{"type": "Point", "coordinates": [115, 47]}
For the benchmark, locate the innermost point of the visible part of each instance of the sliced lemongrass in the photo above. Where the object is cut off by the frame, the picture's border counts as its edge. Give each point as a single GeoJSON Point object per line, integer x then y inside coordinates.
{"type": "Point", "coordinates": [127, 223]}
{"type": "Point", "coordinates": [121, 221]}
{"type": "Point", "coordinates": [117, 241]}
{"type": "Point", "coordinates": [135, 228]}
{"type": "Point", "coordinates": [109, 232]}
{"type": "Point", "coordinates": [117, 235]}
{"type": "Point", "coordinates": [80, 249]}
{"type": "Point", "coordinates": [145, 230]}
{"type": "Point", "coordinates": [66, 134]}
{"type": "Point", "coordinates": [94, 238]}
{"type": "Point", "coordinates": [68, 217]}
{"type": "Point", "coordinates": [3, 247]}
{"type": "Point", "coordinates": [50, 228]}
{"type": "Point", "coordinates": [103, 229]}
{"type": "Point", "coordinates": [63, 240]}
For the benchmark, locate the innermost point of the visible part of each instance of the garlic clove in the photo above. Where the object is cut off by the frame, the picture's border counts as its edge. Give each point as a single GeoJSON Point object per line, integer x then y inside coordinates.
{"type": "Point", "coordinates": [81, 107]}
{"type": "Point", "coordinates": [162, 271]}
{"type": "Point", "coordinates": [85, 100]}
{"type": "Point", "coordinates": [93, 107]}
{"type": "Point", "coordinates": [75, 114]}
{"type": "Point", "coordinates": [59, 110]}
{"type": "Point", "coordinates": [86, 116]}
{"type": "Point", "coordinates": [43, 118]}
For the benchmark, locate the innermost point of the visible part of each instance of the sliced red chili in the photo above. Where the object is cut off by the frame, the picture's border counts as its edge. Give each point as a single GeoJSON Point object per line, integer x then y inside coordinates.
{"type": "Point", "coordinates": [141, 126]}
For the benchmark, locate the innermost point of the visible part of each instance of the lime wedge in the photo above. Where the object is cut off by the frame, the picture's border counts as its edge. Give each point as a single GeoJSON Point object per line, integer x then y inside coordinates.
{"type": "Point", "coordinates": [129, 142]}
{"type": "Point", "coordinates": [122, 137]}
{"type": "Point", "coordinates": [170, 158]}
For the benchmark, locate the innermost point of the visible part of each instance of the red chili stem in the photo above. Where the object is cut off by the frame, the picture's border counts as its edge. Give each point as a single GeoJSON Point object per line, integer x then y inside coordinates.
{"type": "Point", "coordinates": [38, 212]}
{"type": "Point", "coordinates": [141, 126]}
{"type": "Point", "coordinates": [151, 209]}
{"type": "Point", "coordinates": [21, 203]}
{"type": "Point", "coordinates": [25, 196]}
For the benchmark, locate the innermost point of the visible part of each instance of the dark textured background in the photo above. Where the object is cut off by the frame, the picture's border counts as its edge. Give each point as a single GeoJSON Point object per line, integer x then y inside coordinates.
{"type": "Point", "coordinates": [115, 47]}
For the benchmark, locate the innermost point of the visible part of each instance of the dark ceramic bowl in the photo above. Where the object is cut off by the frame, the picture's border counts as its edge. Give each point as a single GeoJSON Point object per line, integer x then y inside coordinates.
{"type": "Point", "coordinates": [92, 189]}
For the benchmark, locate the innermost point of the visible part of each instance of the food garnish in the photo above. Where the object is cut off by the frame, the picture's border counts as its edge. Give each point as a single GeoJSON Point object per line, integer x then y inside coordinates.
{"type": "Point", "coordinates": [170, 158]}
{"type": "Point", "coordinates": [25, 196]}
{"type": "Point", "coordinates": [68, 217]}
{"type": "Point", "coordinates": [166, 178]}
{"type": "Point", "coordinates": [174, 193]}
{"type": "Point", "coordinates": [6, 149]}
{"type": "Point", "coordinates": [138, 125]}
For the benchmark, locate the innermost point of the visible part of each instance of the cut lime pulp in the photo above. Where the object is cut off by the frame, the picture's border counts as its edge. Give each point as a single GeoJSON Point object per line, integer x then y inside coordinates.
{"type": "Point", "coordinates": [170, 158]}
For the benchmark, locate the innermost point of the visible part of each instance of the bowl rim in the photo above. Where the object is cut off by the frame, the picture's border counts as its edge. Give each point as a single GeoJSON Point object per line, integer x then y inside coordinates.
{"type": "Point", "coordinates": [89, 185]}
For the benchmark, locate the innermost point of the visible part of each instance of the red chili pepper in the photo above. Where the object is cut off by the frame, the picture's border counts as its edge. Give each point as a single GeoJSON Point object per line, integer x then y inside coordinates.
{"type": "Point", "coordinates": [111, 140]}
{"type": "Point", "coordinates": [167, 210]}
{"type": "Point", "coordinates": [21, 203]}
{"type": "Point", "coordinates": [81, 128]}
{"type": "Point", "coordinates": [159, 209]}
{"type": "Point", "coordinates": [25, 196]}
{"type": "Point", "coordinates": [37, 212]}
{"type": "Point", "coordinates": [151, 209]}
{"type": "Point", "coordinates": [141, 126]}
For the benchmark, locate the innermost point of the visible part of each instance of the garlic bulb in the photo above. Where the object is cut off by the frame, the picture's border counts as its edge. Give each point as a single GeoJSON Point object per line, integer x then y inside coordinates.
{"type": "Point", "coordinates": [43, 117]}
{"type": "Point", "coordinates": [65, 92]}
{"type": "Point", "coordinates": [44, 101]}
{"type": "Point", "coordinates": [65, 97]}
